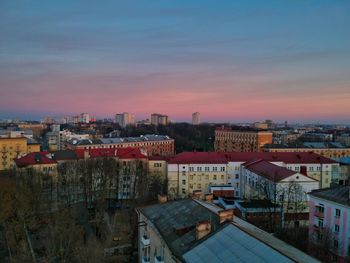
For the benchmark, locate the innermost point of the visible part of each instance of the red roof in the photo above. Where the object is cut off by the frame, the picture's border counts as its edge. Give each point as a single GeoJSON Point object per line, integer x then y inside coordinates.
{"type": "Point", "coordinates": [268, 170]}
{"type": "Point", "coordinates": [220, 157]}
{"type": "Point", "coordinates": [198, 157]}
{"type": "Point", "coordinates": [33, 158]}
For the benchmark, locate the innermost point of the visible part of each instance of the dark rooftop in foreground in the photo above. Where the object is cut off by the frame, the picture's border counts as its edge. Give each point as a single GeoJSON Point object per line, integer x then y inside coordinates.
{"type": "Point", "coordinates": [176, 222]}
{"type": "Point", "coordinates": [339, 194]}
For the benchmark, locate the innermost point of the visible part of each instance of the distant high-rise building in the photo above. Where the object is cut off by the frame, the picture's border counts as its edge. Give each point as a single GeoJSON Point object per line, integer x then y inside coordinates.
{"type": "Point", "coordinates": [196, 118]}
{"type": "Point", "coordinates": [48, 120]}
{"type": "Point", "coordinates": [125, 118]}
{"type": "Point", "coordinates": [159, 119]}
{"type": "Point", "coordinates": [85, 118]}
{"type": "Point", "coordinates": [75, 119]}
{"type": "Point", "coordinates": [65, 119]}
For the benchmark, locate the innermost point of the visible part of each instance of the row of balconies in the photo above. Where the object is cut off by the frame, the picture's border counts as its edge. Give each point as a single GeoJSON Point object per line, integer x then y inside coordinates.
{"type": "Point", "coordinates": [146, 242]}
{"type": "Point", "coordinates": [157, 259]}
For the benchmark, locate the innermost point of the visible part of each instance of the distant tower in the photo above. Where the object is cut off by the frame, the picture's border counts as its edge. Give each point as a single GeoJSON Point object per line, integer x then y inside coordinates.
{"type": "Point", "coordinates": [196, 118]}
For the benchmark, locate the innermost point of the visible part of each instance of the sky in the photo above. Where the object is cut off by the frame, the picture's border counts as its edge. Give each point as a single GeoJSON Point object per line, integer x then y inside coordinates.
{"type": "Point", "coordinates": [230, 60]}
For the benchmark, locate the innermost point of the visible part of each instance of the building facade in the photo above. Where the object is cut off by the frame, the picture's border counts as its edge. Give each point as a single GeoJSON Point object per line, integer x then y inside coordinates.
{"type": "Point", "coordinates": [159, 119]}
{"type": "Point", "coordinates": [329, 223]}
{"type": "Point", "coordinates": [228, 140]}
{"type": "Point", "coordinates": [150, 144]}
{"type": "Point", "coordinates": [14, 147]}
{"type": "Point", "coordinates": [196, 118]}
{"type": "Point", "coordinates": [318, 148]}
{"type": "Point", "coordinates": [125, 118]}
{"type": "Point", "coordinates": [193, 171]}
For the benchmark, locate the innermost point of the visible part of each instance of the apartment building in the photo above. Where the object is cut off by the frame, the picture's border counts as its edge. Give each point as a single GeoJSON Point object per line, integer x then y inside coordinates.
{"type": "Point", "coordinates": [150, 144]}
{"type": "Point", "coordinates": [159, 119]}
{"type": "Point", "coordinates": [125, 118]}
{"type": "Point", "coordinates": [196, 118]}
{"type": "Point", "coordinates": [228, 140]}
{"type": "Point", "coordinates": [326, 149]}
{"type": "Point", "coordinates": [196, 231]}
{"type": "Point", "coordinates": [191, 171]}
{"type": "Point", "coordinates": [329, 223]}
{"type": "Point", "coordinates": [261, 179]}
{"type": "Point", "coordinates": [12, 147]}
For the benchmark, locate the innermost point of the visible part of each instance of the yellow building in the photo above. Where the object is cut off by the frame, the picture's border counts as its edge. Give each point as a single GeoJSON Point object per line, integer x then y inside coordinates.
{"type": "Point", "coordinates": [192, 172]}
{"type": "Point", "coordinates": [14, 147]}
{"type": "Point", "coordinates": [324, 151]}
{"type": "Point", "coordinates": [157, 166]}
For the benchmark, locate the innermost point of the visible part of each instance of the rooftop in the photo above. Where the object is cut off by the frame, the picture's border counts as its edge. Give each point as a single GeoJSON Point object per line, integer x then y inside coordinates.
{"type": "Point", "coordinates": [232, 244]}
{"type": "Point", "coordinates": [142, 138]}
{"type": "Point", "coordinates": [339, 194]}
{"type": "Point", "coordinates": [269, 170]}
{"type": "Point", "coordinates": [67, 155]}
{"type": "Point", "coordinates": [310, 145]}
{"type": "Point", "coordinates": [176, 222]}
{"type": "Point", "coordinates": [221, 158]}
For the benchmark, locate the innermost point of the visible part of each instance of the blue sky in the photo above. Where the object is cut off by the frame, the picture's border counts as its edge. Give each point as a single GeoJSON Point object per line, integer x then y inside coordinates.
{"type": "Point", "coordinates": [230, 60]}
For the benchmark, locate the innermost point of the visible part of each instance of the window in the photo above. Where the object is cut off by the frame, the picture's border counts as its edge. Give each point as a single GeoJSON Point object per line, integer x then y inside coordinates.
{"type": "Point", "coordinates": [183, 181]}
{"type": "Point", "coordinates": [335, 243]}
{"type": "Point", "coordinates": [237, 185]}
{"type": "Point", "coordinates": [207, 169]}
{"type": "Point", "coordinates": [199, 169]}
{"type": "Point", "coordinates": [222, 169]}
{"type": "Point", "coordinates": [207, 177]}
{"type": "Point", "coordinates": [214, 176]}
{"type": "Point", "coordinates": [319, 209]}
{"type": "Point", "coordinates": [237, 176]}
{"type": "Point", "coordinates": [336, 228]}
{"type": "Point", "coordinates": [183, 173]}
{"type": "Point", "coordinates": [191, 169]}
{"type": "Point", "coordinates": [337, 212]}
{"type": "Point", "coordinates": [215, 169]}
{"type": "Point", "coordinates": [311, 169]}
{"type": "Point", "coordinates": [320, 223]}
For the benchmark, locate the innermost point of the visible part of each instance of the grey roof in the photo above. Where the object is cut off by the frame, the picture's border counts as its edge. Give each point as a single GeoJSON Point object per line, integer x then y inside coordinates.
{"type": "Point", "coordinates": [342, 160]}
{"type": "Point", "coordinates": [64, 155]}
{"type": "Point", "coordinates": [86, 141]}
{"type": "Point", "coordinates": [231, 244]}
{"type": "Point", "coordinates": [142, 138]}
{"type": "Point", "coordinates": [32, 141]}
{"type": "Point", "coordinates": [171, 217]}
{"type": "Point", "coordinates": [339, 194]}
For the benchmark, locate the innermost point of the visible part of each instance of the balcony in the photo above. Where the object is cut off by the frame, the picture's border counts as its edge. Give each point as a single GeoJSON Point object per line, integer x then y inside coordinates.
{"type": "Point", "coordinates": [317, 227]}
{"type": "Point", "coordinates": [158, 259]}
{"type": "Point", "coordinates": [145, 241]}
{"type": "Point", "coordinates": [146, 260]}
{"type": "Point", "coordinates": [319, 214]}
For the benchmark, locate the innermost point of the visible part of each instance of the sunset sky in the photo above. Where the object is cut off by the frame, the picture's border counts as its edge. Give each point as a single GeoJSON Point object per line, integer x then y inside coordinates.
{"type": "Point", "coordinates": [247, 61]}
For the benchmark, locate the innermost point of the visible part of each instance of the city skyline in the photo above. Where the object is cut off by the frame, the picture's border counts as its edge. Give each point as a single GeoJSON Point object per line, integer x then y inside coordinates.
{"type": "Point", "coordinates": [229, 61]}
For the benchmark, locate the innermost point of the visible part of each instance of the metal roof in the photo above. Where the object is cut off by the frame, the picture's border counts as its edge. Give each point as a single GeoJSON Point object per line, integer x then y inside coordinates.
{"type": "Point", "coordinates": [231, 244]}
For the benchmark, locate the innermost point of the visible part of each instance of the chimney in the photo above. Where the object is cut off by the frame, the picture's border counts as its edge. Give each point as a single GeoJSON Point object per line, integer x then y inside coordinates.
{"type": "Point", "coordinates": [197, 194]}
{"type": "Point", "coordinates": [303, 170]}
{"type": "Point", "coordinates": [162, 199]}
{"type": "Point", "coordinates": [203, 228]}
{"type": "Point", "coordinates": [209, 197]}
{"type": "Point", "coordinates": [226, 215]}
{"type": "Point", "coordinates": [86, 154]}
